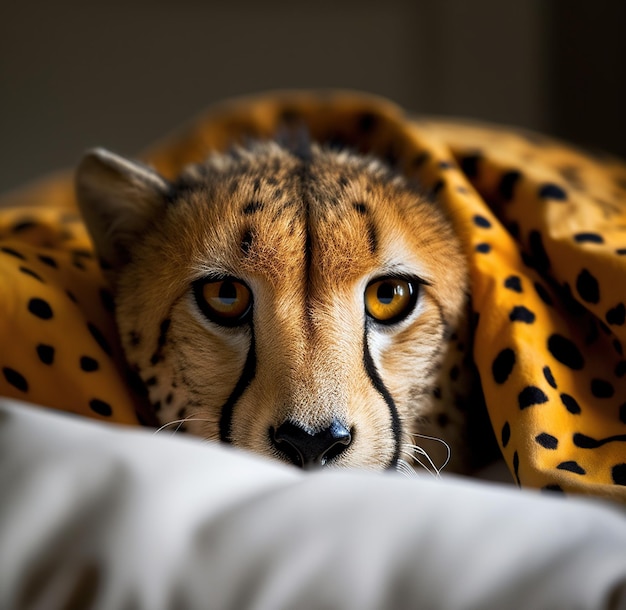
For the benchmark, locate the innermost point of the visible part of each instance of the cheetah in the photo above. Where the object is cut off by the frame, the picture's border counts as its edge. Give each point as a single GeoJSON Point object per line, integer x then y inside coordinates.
{"type": "Point", "coordinates": [302, 302]}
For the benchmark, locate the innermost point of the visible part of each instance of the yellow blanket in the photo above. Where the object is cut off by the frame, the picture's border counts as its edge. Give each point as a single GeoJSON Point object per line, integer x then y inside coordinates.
{"type": "Point", "coordinates": [544, 228]}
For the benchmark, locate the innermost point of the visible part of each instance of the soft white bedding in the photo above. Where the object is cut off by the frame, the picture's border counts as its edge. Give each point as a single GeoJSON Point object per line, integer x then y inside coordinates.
{"type": "Point", "coordinates": [96, 516]}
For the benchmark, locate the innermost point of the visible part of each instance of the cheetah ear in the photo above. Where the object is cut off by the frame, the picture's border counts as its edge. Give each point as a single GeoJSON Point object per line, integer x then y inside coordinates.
{"type": "Point", "coordinates": [118, 199]}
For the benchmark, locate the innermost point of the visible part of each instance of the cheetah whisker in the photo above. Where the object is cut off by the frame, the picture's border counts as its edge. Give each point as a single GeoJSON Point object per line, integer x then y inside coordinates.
{"type": "Point", "coordinates": [178, 423]}
{"type": "Point", "coordinates": [437, 440]}
{"type": "Point", "coordinates": [414, 450]}
{"type": "Point", "coordinates": [403, 467]}
{"type": "Point", "coordinates": [427, 465]}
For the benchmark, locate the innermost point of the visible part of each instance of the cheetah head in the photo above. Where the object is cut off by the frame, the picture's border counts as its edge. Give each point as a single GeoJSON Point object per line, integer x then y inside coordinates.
{"type": "Point", "coordinates": [297, 305]}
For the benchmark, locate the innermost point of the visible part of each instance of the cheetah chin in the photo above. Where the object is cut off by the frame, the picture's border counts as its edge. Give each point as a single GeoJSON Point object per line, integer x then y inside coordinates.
{"type": "Point", "coordinates": [303, 303]}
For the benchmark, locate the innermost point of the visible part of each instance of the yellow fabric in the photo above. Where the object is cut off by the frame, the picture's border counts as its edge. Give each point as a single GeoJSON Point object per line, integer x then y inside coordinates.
{"type": "Point", "coordinates": [59, 345]}
{"type": "Point", "coordinates": [544, 228]}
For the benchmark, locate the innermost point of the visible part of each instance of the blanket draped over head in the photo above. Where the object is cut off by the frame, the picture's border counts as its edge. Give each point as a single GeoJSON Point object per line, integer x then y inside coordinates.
{"type": "Point", "coordinates": [543, 226]}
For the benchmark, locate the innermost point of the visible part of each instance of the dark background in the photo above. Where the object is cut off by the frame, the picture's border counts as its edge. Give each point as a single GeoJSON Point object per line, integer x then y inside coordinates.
{"type": "Point", "coordinates": [122, 74]}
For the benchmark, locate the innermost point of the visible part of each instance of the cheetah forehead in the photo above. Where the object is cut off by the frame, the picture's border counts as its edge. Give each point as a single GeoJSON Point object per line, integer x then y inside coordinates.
{"type": "Point", "coordinates": [265, 210]}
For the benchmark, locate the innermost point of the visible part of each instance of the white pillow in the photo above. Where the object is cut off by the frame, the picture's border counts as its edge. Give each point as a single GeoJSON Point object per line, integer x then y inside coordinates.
{"type": "Point", "coordinates": [114, 517]}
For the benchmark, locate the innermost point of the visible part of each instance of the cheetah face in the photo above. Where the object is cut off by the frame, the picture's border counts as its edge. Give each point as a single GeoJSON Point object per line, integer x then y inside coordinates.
{"type": "Point", "coordinates": [295, 305]}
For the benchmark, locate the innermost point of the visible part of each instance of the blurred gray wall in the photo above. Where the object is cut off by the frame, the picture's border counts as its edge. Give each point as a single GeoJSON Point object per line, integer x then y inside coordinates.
{"type": "Point", "coordinates": [125, 72]}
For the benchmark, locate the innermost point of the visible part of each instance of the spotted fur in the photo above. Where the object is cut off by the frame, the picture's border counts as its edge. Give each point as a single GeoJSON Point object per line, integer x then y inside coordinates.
{"type": "Point", "coordinates": [306, 233]}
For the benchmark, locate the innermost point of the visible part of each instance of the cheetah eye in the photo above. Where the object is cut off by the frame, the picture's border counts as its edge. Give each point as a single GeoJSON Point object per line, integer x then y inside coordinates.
{"type": "Point", "coordinates": [389, 300]}
{"type": "Point", "coordinates": [226, 301]}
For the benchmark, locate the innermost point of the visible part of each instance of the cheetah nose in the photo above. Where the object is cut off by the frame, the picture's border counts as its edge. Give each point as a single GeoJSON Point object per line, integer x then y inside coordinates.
{"type": "Point", "coordinates": [309, 451]}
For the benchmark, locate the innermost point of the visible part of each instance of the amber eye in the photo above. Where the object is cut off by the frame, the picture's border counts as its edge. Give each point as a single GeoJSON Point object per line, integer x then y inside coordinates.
{"type": "Point", "coordinates": [227, 301]}
{"type": "Point", "coordinates": [388, 300]}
